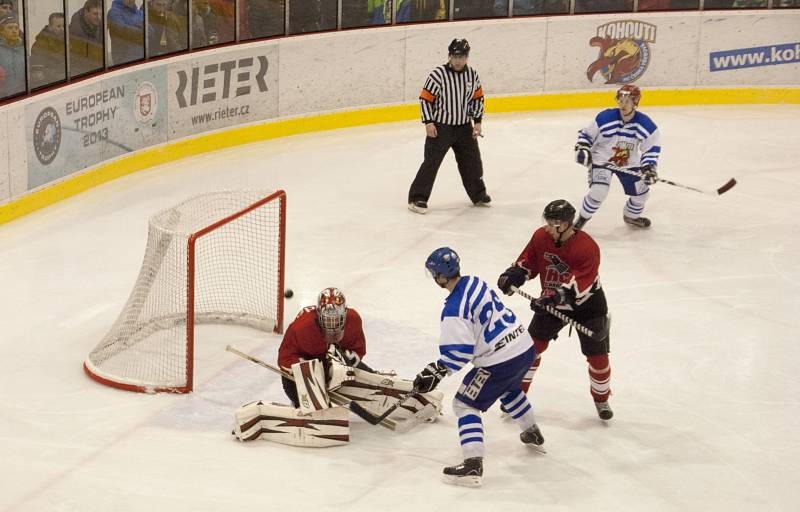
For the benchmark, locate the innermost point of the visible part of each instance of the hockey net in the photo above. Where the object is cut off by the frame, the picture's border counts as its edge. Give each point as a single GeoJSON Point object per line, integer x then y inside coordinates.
{"type": "Point", "coordinates": [215, 258]}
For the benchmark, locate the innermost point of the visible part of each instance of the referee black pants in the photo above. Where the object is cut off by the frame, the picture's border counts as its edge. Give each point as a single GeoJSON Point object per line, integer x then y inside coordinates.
{"type": "Point", "coordinates": [468, 158]}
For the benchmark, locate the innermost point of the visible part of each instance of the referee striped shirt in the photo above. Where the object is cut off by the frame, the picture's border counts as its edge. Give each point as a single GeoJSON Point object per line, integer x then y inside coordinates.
{"type": "Point", "coordinates": [452, 97]}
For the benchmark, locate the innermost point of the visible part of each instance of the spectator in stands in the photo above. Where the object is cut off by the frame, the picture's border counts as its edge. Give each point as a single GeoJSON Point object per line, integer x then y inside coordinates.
{"type": "Point", "coordinates": [86, 39]}
{"type": "Point", "coordinates": [48, 58]}
{"type": "Point", "coordinates": [668, 5]}
{"type": "Point", "coordinates": [421, 10]}
{"type": "Point", "coordinates": [224, 12]}
{"type": "Point", "coordinates": [6, 8]}
{"type": "Point", "coordinates": [12, 57]}
{"type": "Point", "coordinates": [205, 31]}
{"type": "Point", "coordinates": [126, 30]}
{"type": "Point", "coordinates": [166, 31]}
{"type": "Point", "coordinates": [265, 18]}
{"type": "Point", "coordinates": [312, 15]}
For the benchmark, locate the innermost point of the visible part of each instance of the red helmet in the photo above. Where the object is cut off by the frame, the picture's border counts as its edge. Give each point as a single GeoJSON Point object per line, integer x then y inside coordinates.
{"type": "Point", "coordinates": [331, 313]}
{"type": "Point", "coordinates": [632, 91]}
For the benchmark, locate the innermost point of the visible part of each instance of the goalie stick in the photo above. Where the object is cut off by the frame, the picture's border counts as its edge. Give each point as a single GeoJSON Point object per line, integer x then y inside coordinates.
{"type": "Point", "coordinates": [721, 190]}
{"type": "Point", "coordinates": [336, 398]}
{"type": "Point", "coordinates": [599, 336]}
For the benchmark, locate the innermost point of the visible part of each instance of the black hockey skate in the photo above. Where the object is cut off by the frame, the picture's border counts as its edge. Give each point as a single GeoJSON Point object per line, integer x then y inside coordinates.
{"type": "Point", "coordinates": [418, 207]}
{"type": "Point", "coordinates": [639, 222]}
{"type": "Point", "coordinates": [604, 410]}
{"type": "Point", "coordinates": [484, 201]}
{"type": "Point", "coordinates": [468, 473]}
{"type": "Point", "coordinates": [533, 437]}
{"type": "Point", "coordinates": [580, 223]}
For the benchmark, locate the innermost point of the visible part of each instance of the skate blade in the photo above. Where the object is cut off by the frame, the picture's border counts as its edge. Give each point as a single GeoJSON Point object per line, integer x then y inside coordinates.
{"type": "Point", "coordinates": [537, 448]}
{"type": "Point", "coordinates": [463, 481]}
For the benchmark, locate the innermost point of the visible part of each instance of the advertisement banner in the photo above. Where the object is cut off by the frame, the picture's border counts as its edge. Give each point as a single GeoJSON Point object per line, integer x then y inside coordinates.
{"type": "Point", "coordinates": [77, 129]}
{"type": "Point", "coordinates": [649, 50]}
{"type": "Point", "coordinates": [222, 89]}
{"type": "Point", "coordinates": [746, 49]}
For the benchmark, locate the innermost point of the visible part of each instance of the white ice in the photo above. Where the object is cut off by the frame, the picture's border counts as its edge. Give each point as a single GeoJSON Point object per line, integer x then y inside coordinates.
{"type": "Point", "coordinates": [705, 341]}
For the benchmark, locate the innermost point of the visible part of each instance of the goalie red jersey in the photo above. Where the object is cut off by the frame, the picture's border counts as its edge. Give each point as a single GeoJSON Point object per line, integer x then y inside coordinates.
{"type": "Point", "coordinates": [574, 264]}
{"type": "Point", "coordinates": [305, 339]}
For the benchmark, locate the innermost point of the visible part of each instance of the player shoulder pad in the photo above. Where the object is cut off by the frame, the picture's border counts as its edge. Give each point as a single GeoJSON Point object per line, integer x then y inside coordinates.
{"type": "Point", "coordinates": [645, 122]}
{"type": "Point", "coordinates": [608, 115]}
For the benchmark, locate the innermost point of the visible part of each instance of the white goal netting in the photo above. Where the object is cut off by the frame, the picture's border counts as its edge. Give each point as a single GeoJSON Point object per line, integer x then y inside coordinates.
{"type": "Point", "coordinates": [214, 258]}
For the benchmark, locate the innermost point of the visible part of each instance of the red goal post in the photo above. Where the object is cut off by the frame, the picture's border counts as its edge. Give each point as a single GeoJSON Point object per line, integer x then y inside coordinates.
{"type": "Point", "coordinates": [215, 258]}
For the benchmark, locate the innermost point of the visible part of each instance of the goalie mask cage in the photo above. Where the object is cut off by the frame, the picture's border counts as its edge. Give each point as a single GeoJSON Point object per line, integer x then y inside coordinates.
{"type": "Point", "coordinates": [215, 258]}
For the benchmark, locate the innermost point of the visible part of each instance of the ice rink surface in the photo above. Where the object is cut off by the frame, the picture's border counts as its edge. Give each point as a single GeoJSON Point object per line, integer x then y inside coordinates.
{"type": "Point", "coordinates": [705, 336]}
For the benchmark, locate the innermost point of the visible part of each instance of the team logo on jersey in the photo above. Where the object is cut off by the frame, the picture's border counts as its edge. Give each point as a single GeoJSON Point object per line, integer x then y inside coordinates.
{"type": "Point", "coordinates": [145, 103]}
{"type": "Point", "coordinates": [622, 153]}
{"type": "Point", "coordinates": [555, 270]}
{"type": "Point", "coordinates": [624, 48]}
{"type": "Point", "coordinates": [47, 135]}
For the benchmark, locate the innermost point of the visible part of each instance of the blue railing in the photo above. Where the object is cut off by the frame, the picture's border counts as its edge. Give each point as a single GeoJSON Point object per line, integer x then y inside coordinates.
{"type": "Point", "coordinates": [47, 43]}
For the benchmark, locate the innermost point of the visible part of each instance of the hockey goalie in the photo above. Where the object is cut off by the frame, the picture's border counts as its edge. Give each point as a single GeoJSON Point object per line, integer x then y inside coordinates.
{"type": "Point", "coordinates": [321, 366]}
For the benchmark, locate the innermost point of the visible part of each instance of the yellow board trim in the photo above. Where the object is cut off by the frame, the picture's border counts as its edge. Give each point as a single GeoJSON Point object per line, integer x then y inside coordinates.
{"type": "Point", "coordinates": [236, 136]}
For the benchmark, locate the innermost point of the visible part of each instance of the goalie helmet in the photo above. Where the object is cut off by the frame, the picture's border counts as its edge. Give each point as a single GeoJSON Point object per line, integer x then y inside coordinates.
{"type": "Point", "coordinates": [631, 91]}
{"type": "Point", "coordinates": [443, 262]}
{"type": "Point", "coordinates": [560, 209]}
{"type": "Point", "coordinates": [331, 313]}
{"type": "Point", "coordinates": [458, 47]}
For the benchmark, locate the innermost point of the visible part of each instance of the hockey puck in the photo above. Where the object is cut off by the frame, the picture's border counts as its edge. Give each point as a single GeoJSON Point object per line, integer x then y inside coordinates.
{"type": "Point", "coordinates": [288, 293]}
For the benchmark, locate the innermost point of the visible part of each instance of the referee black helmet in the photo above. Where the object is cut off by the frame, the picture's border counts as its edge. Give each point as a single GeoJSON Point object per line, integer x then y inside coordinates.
{"type": "Point", "coordinates": [458, 47]}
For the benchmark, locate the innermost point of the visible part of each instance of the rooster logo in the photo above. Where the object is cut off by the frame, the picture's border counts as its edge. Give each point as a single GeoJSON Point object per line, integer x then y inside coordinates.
{"type": "Point", "coordinates": [624, 53]}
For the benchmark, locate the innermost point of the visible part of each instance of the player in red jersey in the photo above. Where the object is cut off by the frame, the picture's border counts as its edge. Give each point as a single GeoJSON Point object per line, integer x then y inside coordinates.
{"type": "Point", "coordinates": [567, 263]}
{"type": "Point", "coordinates": [316, 329]}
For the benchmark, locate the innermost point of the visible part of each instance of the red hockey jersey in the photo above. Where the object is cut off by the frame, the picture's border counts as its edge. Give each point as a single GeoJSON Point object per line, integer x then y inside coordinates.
{"type": "Point", "coordinates": [575, 263]}
{"type": "Point", "coordinates": [305, 339]}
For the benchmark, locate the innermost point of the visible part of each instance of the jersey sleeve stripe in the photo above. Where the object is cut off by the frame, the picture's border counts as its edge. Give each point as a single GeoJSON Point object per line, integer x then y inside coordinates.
{"type": "Point", "coordinates": [468, 296]}
{"type": "Point", "coordinates": [458, 347]}
{"type": "Point", "coordinates": [452, 366]}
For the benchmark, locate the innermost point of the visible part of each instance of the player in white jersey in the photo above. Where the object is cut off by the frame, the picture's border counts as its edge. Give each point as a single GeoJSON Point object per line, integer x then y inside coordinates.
{"type": "Point", "coordinates": [626, 138]}
{"type": "Point", "coordinates": [477, 328]}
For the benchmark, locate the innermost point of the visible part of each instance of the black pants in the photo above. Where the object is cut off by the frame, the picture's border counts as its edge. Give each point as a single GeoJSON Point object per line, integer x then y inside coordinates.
{"type": "Point", "coordinates": [468, 158]}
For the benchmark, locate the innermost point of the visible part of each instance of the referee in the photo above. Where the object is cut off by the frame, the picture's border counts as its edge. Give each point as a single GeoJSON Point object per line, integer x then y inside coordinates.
{"type": "Point", "coordinates": [451, 100]}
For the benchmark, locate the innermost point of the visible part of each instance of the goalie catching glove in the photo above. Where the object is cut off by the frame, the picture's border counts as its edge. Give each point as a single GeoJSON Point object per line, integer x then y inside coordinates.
{"type": "Point", "coordinates": [513, 276]}
{"type": "Point", "coordinates": [429, 377]}
{"type": "Point", "coordinates": [342, 355]}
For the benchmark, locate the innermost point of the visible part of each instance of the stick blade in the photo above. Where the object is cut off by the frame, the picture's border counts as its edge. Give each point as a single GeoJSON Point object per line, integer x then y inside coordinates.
{"type": "Point", "coordinates": [726, 187]}
{"type": "Point", "coordinates": [364, 414]}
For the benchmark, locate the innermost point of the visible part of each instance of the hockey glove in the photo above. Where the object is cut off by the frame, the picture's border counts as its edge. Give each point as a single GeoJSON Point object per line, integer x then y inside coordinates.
{"type": "Point", "coordinates": [342, 355]}
{"type": "Point", "coordinates": [559, 296]}
{"type": "Point", "coordinates": [649, 174]}
{"type": "Point", "coordinates": [583, 154]}
{"type": "Point", "coordinates": [429, 377]}
{"type": "Point", "coordinates": [513, 276]}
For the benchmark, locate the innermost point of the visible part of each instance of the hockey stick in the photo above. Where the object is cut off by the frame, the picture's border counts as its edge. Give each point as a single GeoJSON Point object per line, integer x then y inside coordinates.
{"type": "Point", "coordinates": [600, 336]}
{"type": "Point", "coordinates": [335, 397]}
{"type": "Point", "coordinates": [375, 420]}
{"type": "Point", "coordinates": [721, 190]}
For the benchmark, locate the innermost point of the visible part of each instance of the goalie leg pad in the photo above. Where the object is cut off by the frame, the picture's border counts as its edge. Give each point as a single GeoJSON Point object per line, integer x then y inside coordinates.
{"type": "Point", "coordinates": [312, 390]}
{"type": "Point", "coordinates": [286, 425]}
{"type": "Point", "coordinates": [378, 392]}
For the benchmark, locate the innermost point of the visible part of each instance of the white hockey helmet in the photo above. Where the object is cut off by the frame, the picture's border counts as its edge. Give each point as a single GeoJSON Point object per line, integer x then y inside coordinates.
{"type": "Point", "coordinates": [331, 313]}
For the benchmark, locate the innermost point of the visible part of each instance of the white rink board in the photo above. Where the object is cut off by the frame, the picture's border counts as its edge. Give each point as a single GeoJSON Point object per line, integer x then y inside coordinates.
{"type": "Point", "coordinates": [5, 166]}
{"type": "Point", "coordinates": [330, 72]}
{"type": "Point", "coordinates": [509, 56]}
{"type": "Point", "coordinates": [319, 73]}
